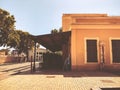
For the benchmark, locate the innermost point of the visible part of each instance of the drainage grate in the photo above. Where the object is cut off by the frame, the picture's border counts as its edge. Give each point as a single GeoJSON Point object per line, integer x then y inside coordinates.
{"type": "Point", "coordinates": [50, 76]}
{"type": "Point", "coordinates": [110, 88]}
{"type": "Point", "coordinates": [107, 81]}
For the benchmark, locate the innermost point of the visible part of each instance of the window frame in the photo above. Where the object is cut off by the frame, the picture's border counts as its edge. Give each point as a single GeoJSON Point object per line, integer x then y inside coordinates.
{"type": "Point", "coordinates": [85, 42]}
{"type": "Point", "coordinates": [111, 53]}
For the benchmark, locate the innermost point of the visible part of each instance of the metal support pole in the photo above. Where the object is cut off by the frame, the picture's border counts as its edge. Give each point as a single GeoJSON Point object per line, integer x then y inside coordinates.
{"type": "Point", "coordinates": [34, 57]}
{"type": "Point", "coordinates": [31, 65]}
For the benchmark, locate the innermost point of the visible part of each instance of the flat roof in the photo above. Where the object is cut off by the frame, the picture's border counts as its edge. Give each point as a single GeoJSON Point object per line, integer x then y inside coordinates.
{"type": "Point", "coordinates": [53, 42]}
{"type": "Point", "coordinates": [87, 15]}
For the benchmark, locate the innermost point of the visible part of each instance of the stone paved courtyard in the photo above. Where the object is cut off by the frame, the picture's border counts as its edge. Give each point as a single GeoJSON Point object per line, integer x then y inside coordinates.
{"type": "Point", "coordinates": [59, 80]}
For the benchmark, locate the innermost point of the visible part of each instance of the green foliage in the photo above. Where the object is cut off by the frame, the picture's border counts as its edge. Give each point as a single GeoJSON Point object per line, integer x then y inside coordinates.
{"type": "Point", "coordinates": [25, 42]}
{"type": "Point", "coordinates": [54, 31]}
{"type": "Point", "coordinates": [60, 29]}
{"type": "Point", "coordinates": [13, 39]}
{"type": "Point", "coordinates": [6, 25]}
{"type": "Point", "coordinates": [9, 36]}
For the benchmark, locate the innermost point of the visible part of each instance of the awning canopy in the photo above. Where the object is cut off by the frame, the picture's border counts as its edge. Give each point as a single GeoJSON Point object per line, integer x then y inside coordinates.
{"type": "Point", "coordinates": [53, 42]}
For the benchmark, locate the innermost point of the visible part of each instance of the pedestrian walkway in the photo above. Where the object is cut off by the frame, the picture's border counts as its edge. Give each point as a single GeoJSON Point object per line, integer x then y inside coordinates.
{"type": "Point", "coordinates": [59, 80]}
{"type": "Point", "coordinates": [15, 67]}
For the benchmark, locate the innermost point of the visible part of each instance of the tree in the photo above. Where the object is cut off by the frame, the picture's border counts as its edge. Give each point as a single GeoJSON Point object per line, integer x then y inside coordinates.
{"type": "Point", "coordinates": [54, 31]}
{"type": "Point", "coordinates": [13, 39]}
{"type": "Point", "coordinates": [26, 42]}
{"type": "Point", "coordinates": [6, 25]}
{"type": "Point", "coordinates": [23, 41]}
{"type": "Point", "coordinates": [60, 29]}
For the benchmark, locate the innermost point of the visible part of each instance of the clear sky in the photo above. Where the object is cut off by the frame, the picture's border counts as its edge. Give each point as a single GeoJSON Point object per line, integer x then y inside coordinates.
{"type": "Point", "coordinates": [41, 16]}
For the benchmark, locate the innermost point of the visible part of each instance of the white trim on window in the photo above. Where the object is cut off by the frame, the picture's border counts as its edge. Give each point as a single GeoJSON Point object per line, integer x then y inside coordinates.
{"type": "Point", "coordinates": [88, 38]}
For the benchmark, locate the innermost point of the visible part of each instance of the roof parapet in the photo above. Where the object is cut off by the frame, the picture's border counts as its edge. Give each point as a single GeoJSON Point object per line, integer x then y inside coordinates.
{"type": "Point", "coordinates": [86, 15]}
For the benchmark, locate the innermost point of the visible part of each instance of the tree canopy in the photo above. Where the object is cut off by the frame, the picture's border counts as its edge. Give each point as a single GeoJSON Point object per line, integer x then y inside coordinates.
{"type": "Point", "coordinates": [25, 42]}
{"type": "Point", "coordinates": [11, 37]}
{"type": "Point", "coordinates": [6, 25]}
{"type": "Point", "coordinates": [53, 31]}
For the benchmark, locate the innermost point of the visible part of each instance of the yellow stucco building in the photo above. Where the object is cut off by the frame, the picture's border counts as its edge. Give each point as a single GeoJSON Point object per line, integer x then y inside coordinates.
{"type": "Point", "coordinates": [94, 43]}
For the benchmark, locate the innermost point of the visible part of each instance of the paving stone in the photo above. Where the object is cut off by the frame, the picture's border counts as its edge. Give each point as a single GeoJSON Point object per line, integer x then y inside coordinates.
{"type": "Point", "coordinates": [50, 80]}
{"type": "Point", "coordinates": [41, 82]}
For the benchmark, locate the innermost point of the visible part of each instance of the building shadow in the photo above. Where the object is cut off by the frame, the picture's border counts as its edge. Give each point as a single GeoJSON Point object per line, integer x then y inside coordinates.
{"type": "Point", "coordinates": [53, 72]}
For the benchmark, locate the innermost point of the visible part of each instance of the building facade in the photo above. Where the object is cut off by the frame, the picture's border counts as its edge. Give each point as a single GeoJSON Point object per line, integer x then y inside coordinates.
{"type": "Point", "coordinates": [94, 42]}
{"type": "Point", "coordinates": [39, 54]}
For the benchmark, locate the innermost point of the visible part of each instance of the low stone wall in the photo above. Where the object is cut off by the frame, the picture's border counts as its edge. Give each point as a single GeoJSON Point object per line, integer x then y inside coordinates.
{"type": "Point", "coordinates": [11, 59]}
{"type": "Point", "coordinates": [97, 67]}
{"type": "Point", "coordinates": [86, 67]}
{"type": "Point", "coordinates": [112, 67]}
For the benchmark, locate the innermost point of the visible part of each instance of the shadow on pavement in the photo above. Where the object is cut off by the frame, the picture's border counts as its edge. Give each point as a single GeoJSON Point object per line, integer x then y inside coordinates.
{"type": "Point", "coordinates": [70, 73]}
